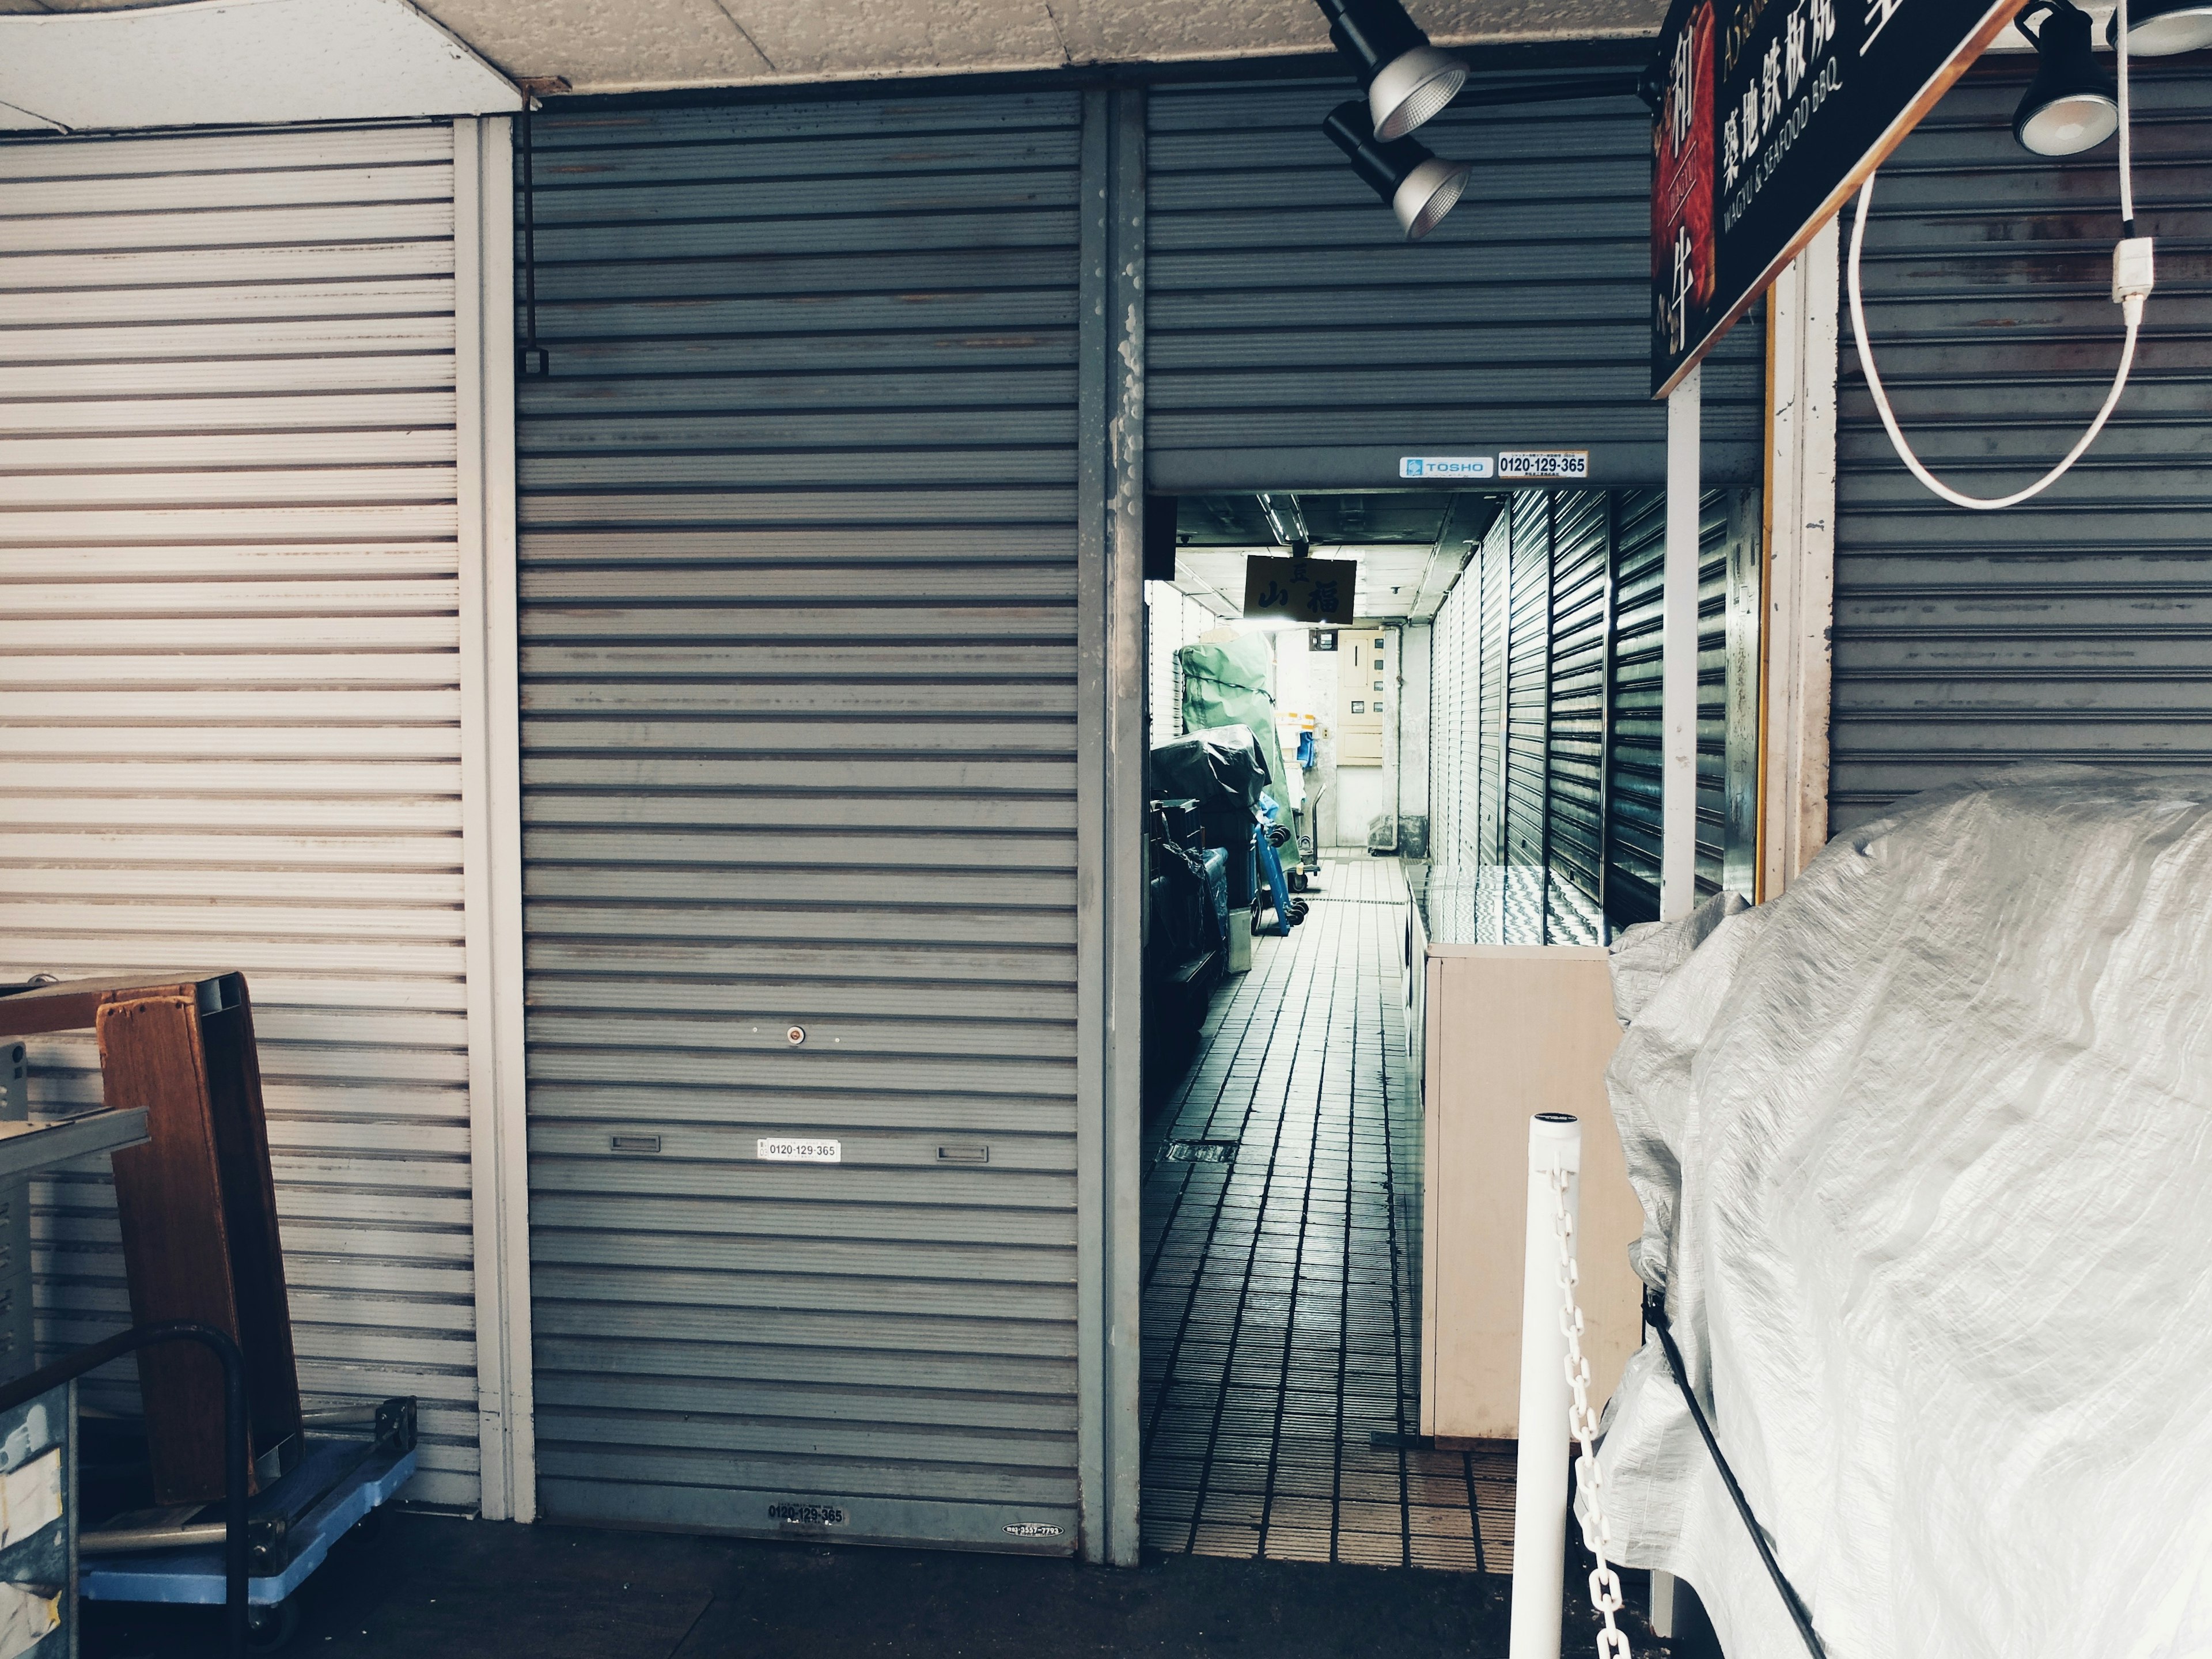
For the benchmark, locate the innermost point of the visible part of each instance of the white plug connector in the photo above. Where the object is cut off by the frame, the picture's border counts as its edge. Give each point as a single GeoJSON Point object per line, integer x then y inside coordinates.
{"type": "Point", "coordinates": [2131, 270]}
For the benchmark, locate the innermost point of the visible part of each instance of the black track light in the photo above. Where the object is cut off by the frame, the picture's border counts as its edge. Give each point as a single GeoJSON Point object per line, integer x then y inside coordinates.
{"type": "Point", "coordinates": [1404, 172]}
{"type": "Point", "coordinates": [2159, 28]}
{"type": "Point", "coordinates": [2072, 105]}
{"type": "Point", "coordinates": [1407, 80]}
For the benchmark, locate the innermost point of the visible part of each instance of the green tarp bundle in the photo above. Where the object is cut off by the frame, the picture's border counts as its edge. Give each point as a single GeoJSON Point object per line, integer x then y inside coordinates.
{"type": "Point", "coordinates": [1226, 684]}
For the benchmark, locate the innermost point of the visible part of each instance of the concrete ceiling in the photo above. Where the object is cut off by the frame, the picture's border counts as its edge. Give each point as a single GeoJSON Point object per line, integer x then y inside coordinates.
{"type": "Point", "coordinates": [597, 46]}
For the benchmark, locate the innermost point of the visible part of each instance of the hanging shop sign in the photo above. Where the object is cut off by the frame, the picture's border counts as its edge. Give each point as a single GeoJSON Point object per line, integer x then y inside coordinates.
{"type": "Point", "coordinates": [1770, 113]}
{"type": "Point", "coordinates": [1307, 590]}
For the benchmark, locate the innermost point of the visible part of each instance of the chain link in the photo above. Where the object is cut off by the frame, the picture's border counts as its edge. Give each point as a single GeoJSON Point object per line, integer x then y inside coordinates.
{"type": "Point", "coordinates": [1582, 1423]}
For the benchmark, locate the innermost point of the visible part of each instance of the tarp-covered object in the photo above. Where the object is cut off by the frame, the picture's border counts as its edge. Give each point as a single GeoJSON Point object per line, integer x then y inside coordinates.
{"type": "Point", "coordinates": [1226, 684]}
{"type": "Point", "coordinates": [1925, 1146]}
{"type": "Point", "coordinates": [1223, 770]}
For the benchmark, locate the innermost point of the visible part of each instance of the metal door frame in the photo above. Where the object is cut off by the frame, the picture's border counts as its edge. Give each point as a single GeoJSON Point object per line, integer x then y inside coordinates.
{"type": "Point", "coordinates": [1111, 688]}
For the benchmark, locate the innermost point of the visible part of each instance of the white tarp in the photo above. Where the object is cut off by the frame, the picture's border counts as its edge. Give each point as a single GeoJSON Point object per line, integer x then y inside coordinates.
{"type": "Point", "coordinates": [1924, 1144]}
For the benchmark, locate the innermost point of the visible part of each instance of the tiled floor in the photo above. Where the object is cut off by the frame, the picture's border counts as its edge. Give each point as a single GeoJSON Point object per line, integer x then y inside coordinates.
{"type": "Point", "coordinates": [1280, 1296]}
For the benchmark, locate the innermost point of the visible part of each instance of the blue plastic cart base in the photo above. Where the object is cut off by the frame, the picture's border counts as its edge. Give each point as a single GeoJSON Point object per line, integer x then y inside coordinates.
{"type": "Point", "coordinates": [335, 1499]}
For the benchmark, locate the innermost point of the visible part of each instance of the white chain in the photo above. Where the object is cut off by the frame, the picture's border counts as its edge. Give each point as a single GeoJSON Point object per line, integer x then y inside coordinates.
{"type": "Point", "coordinates": [1582, 1421]}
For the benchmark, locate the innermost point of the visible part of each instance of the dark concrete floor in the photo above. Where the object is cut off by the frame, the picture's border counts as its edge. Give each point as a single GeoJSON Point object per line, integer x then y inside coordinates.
{"type": "Point", "coordinates": [431, 1586]}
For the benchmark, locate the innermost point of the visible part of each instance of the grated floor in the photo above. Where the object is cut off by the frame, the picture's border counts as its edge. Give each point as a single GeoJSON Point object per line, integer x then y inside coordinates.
{"type": "Point", "coordinates": [1280, 1306]}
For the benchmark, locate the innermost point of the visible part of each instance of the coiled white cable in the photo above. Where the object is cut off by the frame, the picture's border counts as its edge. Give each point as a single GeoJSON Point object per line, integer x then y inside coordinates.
{"type": "Point", "coordinates": [2131, 311]}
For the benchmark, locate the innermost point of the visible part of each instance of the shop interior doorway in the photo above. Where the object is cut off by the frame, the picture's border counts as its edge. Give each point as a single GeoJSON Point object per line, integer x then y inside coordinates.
{"type": "Point", "coordinates": [1281, 1252]}
{"type": "Point", "coordinates": [1474, 759]}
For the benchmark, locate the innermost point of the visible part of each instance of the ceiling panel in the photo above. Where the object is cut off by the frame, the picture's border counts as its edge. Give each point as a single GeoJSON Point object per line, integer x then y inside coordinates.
{"type": "Point", "coordinates": [597, 48]}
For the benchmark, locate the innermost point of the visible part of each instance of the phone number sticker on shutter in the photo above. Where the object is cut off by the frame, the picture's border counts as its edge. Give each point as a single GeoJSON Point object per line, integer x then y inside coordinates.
{"type": "Point", "coordinates": [1544, 463]}
{"type": "Point", "coordinates": [777, 1149]}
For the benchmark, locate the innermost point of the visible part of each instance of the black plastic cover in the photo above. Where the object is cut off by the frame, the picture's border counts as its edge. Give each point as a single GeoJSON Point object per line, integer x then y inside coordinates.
{"type": "Point", "coordinates": [1221, 768]}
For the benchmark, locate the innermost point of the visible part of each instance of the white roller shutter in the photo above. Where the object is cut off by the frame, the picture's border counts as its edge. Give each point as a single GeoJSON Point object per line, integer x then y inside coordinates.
{"type": "Point", "coordinates": [230, 692]}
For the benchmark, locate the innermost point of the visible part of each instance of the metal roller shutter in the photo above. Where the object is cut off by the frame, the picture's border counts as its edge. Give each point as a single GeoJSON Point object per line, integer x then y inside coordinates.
{"type": "Point", "coordinates": [1467, 754]}
{"type": "Point", "coordinates": [1632, 731]}
{"type": "Point", "coordinates": [1455, 725]}
{"type": "Point", "coordinates": [799, 538]}
{"type": "Point", "coordinates": [1528, 691]}
{"type": "Point", "coordinates": [1456, 729]}
{"type": "Point", "coordinates": [1446, 714]}
{"type": "Point", "coordinates": [1293, 338]}
{"type": "Point", "coordinates": [1633, 823]}
{"type": "Point", "coordinates": [1581, 589]}
{"type": "Point", "coordinates": [1493, 618]}
{"type": "Point", "coordinates": [229, 685]}
{"type": "Point", "coordinates": [2074, 628]}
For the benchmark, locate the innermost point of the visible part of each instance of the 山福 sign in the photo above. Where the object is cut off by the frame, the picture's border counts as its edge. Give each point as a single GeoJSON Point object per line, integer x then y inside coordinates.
{"type": "Point", "coordinates": [1305, 590]}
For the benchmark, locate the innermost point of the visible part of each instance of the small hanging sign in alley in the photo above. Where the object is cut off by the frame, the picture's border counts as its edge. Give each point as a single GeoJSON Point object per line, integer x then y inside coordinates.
{"type": "Point", "coordinates": [1307, 590]}
{"type": "Point", "coordinates": [1768, 114]}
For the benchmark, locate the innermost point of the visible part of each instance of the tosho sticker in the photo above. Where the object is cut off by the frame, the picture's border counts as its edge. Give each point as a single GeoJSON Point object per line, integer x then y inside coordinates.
{"type": "Point", "coordinates": [1443, 466]}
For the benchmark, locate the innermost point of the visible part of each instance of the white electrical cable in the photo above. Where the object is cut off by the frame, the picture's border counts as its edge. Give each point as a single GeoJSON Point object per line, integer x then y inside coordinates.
{"type": "Point", "coordinates": [2131, 311]}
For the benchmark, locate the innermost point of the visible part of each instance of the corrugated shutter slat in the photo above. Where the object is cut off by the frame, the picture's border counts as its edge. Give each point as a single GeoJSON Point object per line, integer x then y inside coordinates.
{"type": "Point", "coordinates": [1294, 340]}
{"type": "Point", "coordinates": [2078, 627]}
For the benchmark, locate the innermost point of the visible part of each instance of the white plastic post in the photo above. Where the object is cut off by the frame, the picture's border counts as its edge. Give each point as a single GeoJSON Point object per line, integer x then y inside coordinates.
{"type": "Point", "coordinates": [1539, 1476]}
{"type": "Point", "coordinates": [1662, 1603]}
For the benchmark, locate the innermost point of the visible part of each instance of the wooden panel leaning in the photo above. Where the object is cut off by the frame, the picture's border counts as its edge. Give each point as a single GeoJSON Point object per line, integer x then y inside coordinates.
{"type": "Point", "coordinates": [1513, 1031]}
{"type": "Point", "coordinates": [198, 1208]}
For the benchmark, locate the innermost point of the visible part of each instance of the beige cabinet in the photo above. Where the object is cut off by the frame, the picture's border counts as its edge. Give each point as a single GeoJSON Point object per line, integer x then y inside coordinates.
{"type": "Point", "coordinates": [1365, 681]}
{"type": "Point", "coordinates": [1512, 1030]}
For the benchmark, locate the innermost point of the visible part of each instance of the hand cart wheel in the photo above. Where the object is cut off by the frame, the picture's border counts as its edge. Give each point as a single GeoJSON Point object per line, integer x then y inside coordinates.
{"type": "Point", "coordinates": [269, 1628]}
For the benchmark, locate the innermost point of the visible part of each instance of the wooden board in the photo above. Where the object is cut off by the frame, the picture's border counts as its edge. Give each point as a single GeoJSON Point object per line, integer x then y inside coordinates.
{"type": "Point", "coordinates": [196, 1204]}
{"type": "Point", "coordinates": [1513, 1031]}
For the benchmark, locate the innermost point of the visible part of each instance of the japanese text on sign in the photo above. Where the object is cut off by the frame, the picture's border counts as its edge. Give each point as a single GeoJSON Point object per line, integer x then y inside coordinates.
{"type": "Point", "coordinates": [1306, 590]}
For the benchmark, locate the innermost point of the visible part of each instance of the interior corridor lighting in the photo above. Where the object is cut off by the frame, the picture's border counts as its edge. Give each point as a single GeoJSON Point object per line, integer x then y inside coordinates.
{"type": "Point", "coordinates": [1407, 80]}
{"type": "Point", "coordinates": [2071, 105]}
{"type": "Point", "coordinates": [1420, 188]}
{"type": "Point", "coordinates": [2159, 28]}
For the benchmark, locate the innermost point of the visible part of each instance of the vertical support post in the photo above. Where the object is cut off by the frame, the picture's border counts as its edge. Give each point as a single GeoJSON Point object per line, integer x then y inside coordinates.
{"type": "Point", "coordinates": [491, 810]}
{"type": "Point", "coordinates": [1551, 690]}
{"type": "Point", "coordinates": [1539, 1473]}
{"type": "Point", "coordinates": [1740, 772]}
{"type": "Point", "coordinates": [1608, 669]}
{"type": "Point", "coordinates": [1800, 569]}
{"type": "Point", "coordinates": [1678, 805]}
{"type": "Point", "coordinates": [1110, 813]}
{"type": "Point", "coordinates": [1500, 854]}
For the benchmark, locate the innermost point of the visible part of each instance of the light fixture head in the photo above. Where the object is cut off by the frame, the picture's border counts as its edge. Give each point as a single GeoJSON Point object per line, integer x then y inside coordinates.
{"type": "Point", "coordinates": [1407, 80]}
{"type": "Point", "coordinates": [1420, 188]}
{"type": "Point", "coordinates": [2159, 28]}
{"type": "Point", "coordinates": [2072, 104]}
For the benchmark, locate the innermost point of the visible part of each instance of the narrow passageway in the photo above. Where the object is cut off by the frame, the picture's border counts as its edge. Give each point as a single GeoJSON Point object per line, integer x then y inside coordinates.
{"type": "Point", "coordinates": [1282, 1335]}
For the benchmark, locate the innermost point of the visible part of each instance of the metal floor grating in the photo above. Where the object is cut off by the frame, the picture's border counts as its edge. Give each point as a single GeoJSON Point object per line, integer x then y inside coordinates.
{"type": "Point", "coordinates": [1280, 1299]}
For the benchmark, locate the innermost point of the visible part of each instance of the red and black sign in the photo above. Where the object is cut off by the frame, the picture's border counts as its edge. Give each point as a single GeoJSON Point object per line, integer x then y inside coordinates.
{"type": "Point", "coordinates": [1770, 113]}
